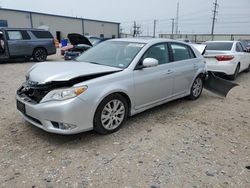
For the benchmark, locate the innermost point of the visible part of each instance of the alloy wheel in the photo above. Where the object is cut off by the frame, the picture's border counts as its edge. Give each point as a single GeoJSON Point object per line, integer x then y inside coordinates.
{"type": "Point", "coordinates": [197, 87]}
{"type": "Point", "coordinates": [113, 114]}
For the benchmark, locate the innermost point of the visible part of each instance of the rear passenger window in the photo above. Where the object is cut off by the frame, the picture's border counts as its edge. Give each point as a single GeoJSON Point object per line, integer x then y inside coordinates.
{"type": "Point", "coordinates": [15, 35]}
{"type": "Point", "coordinates": [181, 52]}
{"type": "Point", "coordinates": [159, 52]}
{"type": "Point", "coordinates": [42, 34]}
{"type": "Point", "coordinates": [25, 35]}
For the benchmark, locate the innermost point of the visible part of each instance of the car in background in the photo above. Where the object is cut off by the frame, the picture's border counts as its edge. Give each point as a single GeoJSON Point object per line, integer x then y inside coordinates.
{"type": "Point", "coordinates": [109, 82]}
{"type": "Point", "coordinates": [79, 44]}
{"type": "Point", "coordinates": [246, 43]}
{"type": "Point", "coordinates": [26, 43]}
{"type": "Point", "coordinates": [227, 58]}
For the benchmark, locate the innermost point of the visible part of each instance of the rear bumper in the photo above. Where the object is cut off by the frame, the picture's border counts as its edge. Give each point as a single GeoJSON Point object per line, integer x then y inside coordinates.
{"type": "Point", "coordinates": [227, 68]}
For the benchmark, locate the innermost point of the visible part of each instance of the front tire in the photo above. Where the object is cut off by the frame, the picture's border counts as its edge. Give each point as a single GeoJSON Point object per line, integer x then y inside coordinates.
{"type": "Point", "coordinates": [110, 114]}
{"type": "Point", "coordinates": [248, 69]}
{"type": "Point", "coordinates": [196, 88]}
{"type": "Point", "coordinates": [40, 55]}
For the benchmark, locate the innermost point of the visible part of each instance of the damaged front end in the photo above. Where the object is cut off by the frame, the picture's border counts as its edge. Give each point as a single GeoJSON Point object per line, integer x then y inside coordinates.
{"type": "Point", "coordinates": [218, 85]}
{"type": "Point", "coordinates": [33, 92]}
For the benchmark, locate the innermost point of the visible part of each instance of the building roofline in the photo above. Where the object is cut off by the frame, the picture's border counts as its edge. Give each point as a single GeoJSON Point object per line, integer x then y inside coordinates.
{"type": "Point", "coordinates": [219, 34]}
{"type": "Point", "coordinates": [47, 14]}
{"type": "Point", "coordinates": [13, 28]}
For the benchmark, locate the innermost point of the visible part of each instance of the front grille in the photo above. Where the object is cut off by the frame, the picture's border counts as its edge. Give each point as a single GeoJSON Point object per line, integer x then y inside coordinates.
{"type": "Point", "coordinates": [31, 94]}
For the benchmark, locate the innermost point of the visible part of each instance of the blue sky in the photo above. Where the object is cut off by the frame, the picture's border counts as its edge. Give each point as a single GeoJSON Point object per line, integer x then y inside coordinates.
{"type": "Point", "coordinates": [195, 15]}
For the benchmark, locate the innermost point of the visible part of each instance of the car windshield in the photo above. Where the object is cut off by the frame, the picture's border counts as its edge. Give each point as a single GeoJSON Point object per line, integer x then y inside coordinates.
{"type": "Point", "coordinates": [220, 46]}
{"type": "Point", "coordinates": [112, 53]}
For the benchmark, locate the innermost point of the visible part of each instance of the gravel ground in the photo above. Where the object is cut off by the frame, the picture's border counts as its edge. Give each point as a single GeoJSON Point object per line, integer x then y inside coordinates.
{"type": "Point", "coordinates": [203, 143]}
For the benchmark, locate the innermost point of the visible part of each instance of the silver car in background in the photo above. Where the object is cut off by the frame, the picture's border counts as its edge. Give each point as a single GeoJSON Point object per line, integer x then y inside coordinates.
{"type": "Point", "coordinates": [108, 83]}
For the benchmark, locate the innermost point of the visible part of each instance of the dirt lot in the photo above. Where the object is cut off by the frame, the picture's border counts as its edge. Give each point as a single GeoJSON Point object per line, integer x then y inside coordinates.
{"type": "Point", "coordinates": [203, 143]}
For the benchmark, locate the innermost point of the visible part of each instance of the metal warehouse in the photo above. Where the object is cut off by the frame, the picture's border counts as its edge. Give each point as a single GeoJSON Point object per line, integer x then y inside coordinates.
{"type": "Point", "coordinates": [58, 25]}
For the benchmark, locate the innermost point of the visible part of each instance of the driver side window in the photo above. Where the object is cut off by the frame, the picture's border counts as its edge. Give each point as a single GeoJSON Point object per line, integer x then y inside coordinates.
{"type": "Point", "coordinates": [159, 52]}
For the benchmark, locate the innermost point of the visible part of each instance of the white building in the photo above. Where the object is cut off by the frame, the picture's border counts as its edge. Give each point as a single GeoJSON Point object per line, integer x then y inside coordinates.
{"type": "Point", "coordinates": [59, 26]}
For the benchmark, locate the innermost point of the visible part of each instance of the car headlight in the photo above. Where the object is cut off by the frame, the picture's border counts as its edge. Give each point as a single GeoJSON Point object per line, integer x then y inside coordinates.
{"type": "Point", "coordinates": [64, 94]}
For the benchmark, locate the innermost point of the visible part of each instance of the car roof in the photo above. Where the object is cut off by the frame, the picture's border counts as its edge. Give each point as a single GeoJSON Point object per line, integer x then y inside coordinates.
{"type": "Point", "coordinates": [224, 41]}
{"type": "Point", "coordinates": [144, 40]}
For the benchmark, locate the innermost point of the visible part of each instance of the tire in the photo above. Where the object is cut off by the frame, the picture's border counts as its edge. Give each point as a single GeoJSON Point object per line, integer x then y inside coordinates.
{"type": "Point", "coordinates": [248, 69]}
{"type": "Point", "coordinates": [236, 72]}
{"type": "Point", "coordinates": [109, 119]}
{"type": "Point", "coordinates": [26, 59]}
{"type": "Point", "coordinates": [40, 55]}
{"type": "Point", "coordinates": [196, 88]}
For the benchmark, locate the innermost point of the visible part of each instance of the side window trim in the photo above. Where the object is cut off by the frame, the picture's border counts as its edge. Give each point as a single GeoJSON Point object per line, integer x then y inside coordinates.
{"type": "Point", "coordinates": [238, 46]}
{"type": "Point", "coordinates": [137, 67]}
{"type": "Point", "coordinates": [242, 46]}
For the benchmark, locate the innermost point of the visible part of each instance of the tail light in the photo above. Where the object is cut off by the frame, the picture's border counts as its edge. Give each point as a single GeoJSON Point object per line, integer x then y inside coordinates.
{"type": "Point", "coordinates": [224, 57]}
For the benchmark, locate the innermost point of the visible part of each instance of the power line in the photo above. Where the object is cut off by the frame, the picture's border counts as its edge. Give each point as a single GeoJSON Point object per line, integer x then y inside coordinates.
{"type": "Point", "coordinates": [216, 5]}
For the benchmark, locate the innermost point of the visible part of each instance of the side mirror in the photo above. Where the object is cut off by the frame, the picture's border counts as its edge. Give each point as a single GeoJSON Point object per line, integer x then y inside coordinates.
{"type": "Point", "coordinates": [150, 62]}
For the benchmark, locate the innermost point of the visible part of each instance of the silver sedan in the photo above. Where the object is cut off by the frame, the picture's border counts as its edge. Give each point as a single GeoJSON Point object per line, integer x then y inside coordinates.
{"type": "Point", "coordinates": [108, 83]}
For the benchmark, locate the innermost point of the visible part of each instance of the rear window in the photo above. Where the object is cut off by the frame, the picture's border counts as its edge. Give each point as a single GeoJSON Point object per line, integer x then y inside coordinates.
{"type": "Point", "coordinates": [223, 46]}
{"type": "Point", "coordinates": [42, 34]}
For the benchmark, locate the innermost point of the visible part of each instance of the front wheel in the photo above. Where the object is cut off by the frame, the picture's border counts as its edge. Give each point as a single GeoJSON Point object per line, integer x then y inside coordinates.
{"type": "Point", "coordinates": [110, 114]}
{"type": "Point", "coordinates": [40, 55]}
{"type": "Point", "coordinates": [196, 88]}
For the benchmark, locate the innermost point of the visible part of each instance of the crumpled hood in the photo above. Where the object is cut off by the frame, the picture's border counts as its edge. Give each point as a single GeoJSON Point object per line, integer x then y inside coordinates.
{"type": "Point", "coordinates": [42, 73]}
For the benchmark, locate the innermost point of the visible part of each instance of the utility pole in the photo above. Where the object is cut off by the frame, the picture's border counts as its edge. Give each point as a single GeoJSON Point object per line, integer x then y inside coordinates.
{"type": "Point", "coordinates": [172, 34]}
{"type": "Point", "coordinates": [136, 30]}
{"type": "Point", "coordinates": [177, 20]}
{"type": "Point", "coordinates": [216, 5]}
{"type": "Point", "coordinates": [154, 27]}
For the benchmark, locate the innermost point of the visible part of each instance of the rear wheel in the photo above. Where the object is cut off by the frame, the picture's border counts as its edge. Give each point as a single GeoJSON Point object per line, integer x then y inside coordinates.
{"type": "Point", "coordinates": [196, 88]}
{"type": "Point", "coordinates": [110, 114]}
{"type": "Point", "coordinates": [40, 55]}
{"type": "Point", "coordinates": [236, 72]}
{"type": "Point", "coordinates": [248, 69]}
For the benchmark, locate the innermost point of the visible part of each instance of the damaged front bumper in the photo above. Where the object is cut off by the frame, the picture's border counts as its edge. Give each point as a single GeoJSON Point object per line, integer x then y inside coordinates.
{"type": "Point", "coordinates": [62, 117]}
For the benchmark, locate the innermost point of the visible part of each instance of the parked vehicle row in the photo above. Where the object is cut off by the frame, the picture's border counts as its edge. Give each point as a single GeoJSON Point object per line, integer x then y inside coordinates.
{"type": "Point", "coordinates": [26, 43]}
